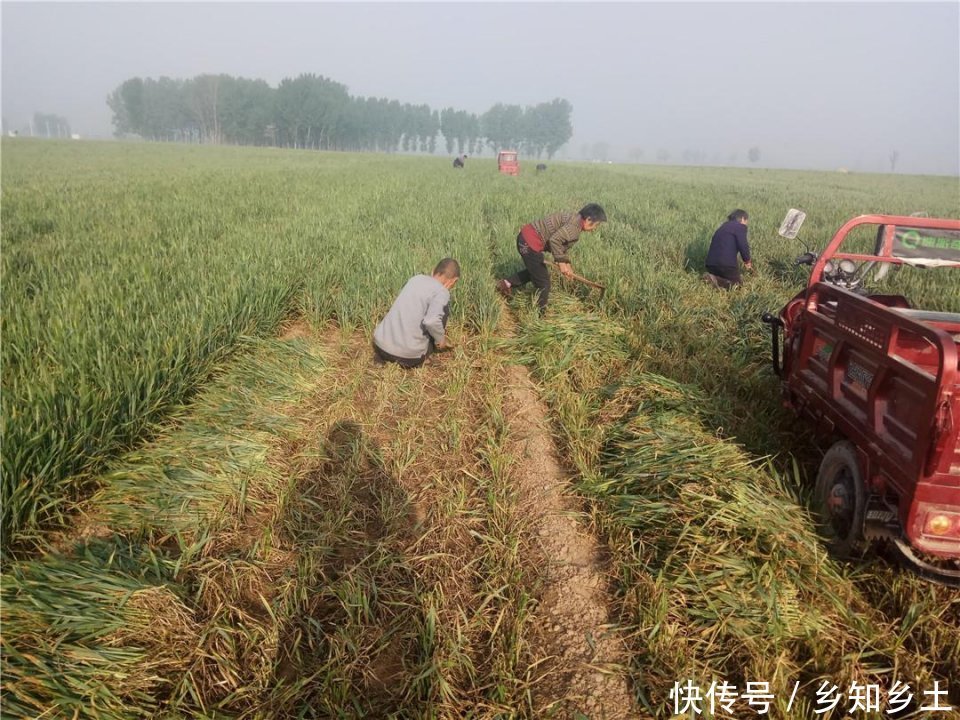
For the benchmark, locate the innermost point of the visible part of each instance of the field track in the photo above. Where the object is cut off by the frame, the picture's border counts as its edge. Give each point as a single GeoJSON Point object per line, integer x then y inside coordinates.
{"type": "Point", "coordinates": [575, 628]}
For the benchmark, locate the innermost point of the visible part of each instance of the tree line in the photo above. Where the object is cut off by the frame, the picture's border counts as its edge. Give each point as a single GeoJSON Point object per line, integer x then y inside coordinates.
{"type": "Point", "coordinates": [312, 111]}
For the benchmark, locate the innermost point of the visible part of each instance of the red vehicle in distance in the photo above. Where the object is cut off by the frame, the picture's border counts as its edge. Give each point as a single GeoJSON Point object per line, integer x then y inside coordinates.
{"type": "Point", "coordinates": [881, 378]}
{"type": "Point", "coordinates": [507, 162]}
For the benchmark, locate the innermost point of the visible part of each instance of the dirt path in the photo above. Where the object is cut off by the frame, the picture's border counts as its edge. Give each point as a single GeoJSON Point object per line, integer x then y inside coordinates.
{"type": "Point", "coordinates": [581, 650]}
{"type": "Point", "coordinates": [576, 630]}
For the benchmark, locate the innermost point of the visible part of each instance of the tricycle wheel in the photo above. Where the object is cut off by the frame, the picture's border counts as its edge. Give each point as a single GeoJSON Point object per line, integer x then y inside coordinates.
{"type": "Point", "coordinates": [841, 501]}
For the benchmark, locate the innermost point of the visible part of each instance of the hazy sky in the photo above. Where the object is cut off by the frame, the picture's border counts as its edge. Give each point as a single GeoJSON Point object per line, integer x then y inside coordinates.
{"type": "Point", "coordinates": [812, 84]}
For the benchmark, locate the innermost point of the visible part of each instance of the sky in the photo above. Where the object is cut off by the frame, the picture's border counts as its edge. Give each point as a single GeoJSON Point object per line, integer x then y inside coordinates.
{"type": "Point", "coordinates": [812, 85]}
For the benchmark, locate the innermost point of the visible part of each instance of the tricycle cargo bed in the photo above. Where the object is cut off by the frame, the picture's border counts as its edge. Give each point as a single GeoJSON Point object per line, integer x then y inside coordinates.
{"type": "Point", "coordinates": [880, 377]}
{"type": "Point", "coordinates": [948, 322]}
{"type": "Point", "coordinates": [882, 380]}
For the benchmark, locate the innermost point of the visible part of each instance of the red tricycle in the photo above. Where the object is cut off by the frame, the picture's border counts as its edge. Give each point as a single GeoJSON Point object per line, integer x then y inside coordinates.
{"type": "Point", "coordinates": [507, 162]}
{"type": "Point", "coordinates": [881, 378]}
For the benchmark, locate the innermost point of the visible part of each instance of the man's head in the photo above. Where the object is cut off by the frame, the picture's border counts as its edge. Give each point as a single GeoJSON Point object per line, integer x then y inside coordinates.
{"type": "Point", "coordinates": [739, 216]}
{"type": "Point", "coordinates": [447, 272]}
{"type": "Point", "coordinates": [591, 216]}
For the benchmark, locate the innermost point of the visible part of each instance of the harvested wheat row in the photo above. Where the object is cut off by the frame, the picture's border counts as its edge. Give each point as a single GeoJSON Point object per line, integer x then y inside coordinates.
{"type": "Point", "coordinates": [721, 575]}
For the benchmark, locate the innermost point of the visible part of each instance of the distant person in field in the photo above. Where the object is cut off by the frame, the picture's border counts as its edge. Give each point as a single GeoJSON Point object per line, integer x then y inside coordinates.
{"type": "Point", "coordinates": [459, 161]}
{"type": "Point", "coordinates": [416, 324]}
{"type": "Point", "coordinates": [730, 240]}
{"type": "Point", "coordinates": [555, 234]}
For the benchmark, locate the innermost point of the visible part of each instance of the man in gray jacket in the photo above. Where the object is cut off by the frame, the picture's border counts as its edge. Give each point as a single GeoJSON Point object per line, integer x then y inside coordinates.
{"type": "Point", "coordinates": [417, 322]}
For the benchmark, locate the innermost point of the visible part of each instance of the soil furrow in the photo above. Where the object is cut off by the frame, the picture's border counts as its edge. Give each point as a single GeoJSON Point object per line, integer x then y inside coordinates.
{"type": "Point", "coordinates": [576, 630]}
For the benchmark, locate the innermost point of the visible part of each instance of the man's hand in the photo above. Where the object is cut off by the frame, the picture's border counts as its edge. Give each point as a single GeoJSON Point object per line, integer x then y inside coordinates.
{"type": "Point", "coordinates": [565, 269]}
{"type": "Point", "coordinates": [748, 266]}
{"type": "Point", "coordinates": [444, 345]}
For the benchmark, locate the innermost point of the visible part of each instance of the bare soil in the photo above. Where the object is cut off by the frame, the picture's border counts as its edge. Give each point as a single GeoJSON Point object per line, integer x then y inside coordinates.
{"type": "Point", "coordinates": [587, 651]}
{"type": "Point", "coordinates": [295, 328]}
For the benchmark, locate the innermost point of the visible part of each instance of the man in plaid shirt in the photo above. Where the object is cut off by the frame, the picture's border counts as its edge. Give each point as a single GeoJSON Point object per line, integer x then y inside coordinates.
{"type": "Point", "coordinates": [555, 234]}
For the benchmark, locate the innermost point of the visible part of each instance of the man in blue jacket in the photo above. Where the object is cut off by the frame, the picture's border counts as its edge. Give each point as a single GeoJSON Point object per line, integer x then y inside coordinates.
{"type": "Point", "coordinates": [730, 239]}
{"type": "Point", "coordinates": [416, 324]}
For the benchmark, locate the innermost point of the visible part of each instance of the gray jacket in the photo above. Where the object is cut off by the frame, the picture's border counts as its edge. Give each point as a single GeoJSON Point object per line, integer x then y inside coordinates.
{"type": "Point", "coordinates": [418, 315]}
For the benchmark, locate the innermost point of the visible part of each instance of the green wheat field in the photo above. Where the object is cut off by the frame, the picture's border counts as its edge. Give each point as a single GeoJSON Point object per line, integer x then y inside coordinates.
{"type": "Point", "coordinates": [215, 505]}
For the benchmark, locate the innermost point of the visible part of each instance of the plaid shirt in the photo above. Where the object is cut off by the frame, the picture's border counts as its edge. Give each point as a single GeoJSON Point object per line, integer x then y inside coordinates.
{"type": "Point", "coordinates": [559, 232]}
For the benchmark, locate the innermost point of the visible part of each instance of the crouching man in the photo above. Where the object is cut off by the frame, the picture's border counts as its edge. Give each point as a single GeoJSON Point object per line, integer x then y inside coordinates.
{"type": "Point", "coordinates": [728, 241]}
{"type": "Point", "coordinates": [416, 324]}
